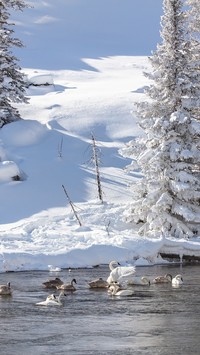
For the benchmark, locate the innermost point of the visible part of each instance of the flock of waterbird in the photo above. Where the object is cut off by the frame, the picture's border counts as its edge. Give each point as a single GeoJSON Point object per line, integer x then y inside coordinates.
{"type": "Point", "coordinates": [117, 284]}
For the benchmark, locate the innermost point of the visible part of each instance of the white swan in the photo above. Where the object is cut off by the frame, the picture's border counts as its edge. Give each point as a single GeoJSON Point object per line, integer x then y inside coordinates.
{"type": "Point", "coordinates": [5, 289]}
{"type": "Point", "coordinates": [139, 281]}
{"type": "Point", "coordinates": [162, 279]}
{"type": "Point", "coordinates": [52, 300]}
{"type": "Point", "coordinates": [119, 273]}
{"type": "Point", "coordinates": [98, 283]}
{"type": "Point", "coordinates": [115, 290]}
{"type": "Point", "coordinates": [51, 297]}
{"type": "Point", "coordinates": [68, 286]}
{"type": "Point", "coordinates": [177, 280]}
{"type": "Point", "coordinates": [113, 264]}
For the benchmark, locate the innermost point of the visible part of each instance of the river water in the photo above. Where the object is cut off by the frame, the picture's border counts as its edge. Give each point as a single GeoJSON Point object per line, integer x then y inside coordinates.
{"type": "Point", "coordinates": [158, 319]}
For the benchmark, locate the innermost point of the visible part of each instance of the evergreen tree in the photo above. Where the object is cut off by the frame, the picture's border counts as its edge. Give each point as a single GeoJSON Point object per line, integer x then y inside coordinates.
{"type": "Point", "coordinates": [12, 81]}
{"type": "Point", "coordinates": [193, 20]}
{"type": "Point", "coordinates": [167, 198]}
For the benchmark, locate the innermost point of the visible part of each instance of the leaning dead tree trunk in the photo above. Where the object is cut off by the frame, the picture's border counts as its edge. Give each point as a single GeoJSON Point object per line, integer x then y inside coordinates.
{"type": "Point", "coordinates": [96, 162]}
{"type": "Point", "coordinates": [72, 206]}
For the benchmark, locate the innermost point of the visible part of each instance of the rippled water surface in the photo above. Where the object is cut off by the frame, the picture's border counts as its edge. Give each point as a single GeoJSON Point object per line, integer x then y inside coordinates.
{"type": "Point", "coordinates": [158, 319]}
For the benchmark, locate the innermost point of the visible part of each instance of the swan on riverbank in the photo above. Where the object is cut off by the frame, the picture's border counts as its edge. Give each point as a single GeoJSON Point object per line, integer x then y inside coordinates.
{"type": "Point", "coordinates": [5, 289]}
{"type": "Point", "coordinates": [119, 273]}
{"type": "Point", "coordinates": [67, 286]}
{"type": "Point", "coordinates": [52, 300]}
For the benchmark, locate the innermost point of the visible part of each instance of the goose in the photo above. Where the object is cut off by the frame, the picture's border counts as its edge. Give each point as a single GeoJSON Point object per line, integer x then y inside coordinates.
{"type": "Point", "coordinates": [177, 280]}
{"type": "Point", "coordinates": [53, 283]}
{"type": "Point", "coordinates": [67, 286]}
{"type": "Point", "coordinates": [98, 283]}
{"type": "Point", "coordinates": [119, 273]}
{"type": "Point", "coordinates": [5, 289]}
{"type": "Point", "coordinates": [139, 281]}
{"type": "Point", "coordinates": [163, 279]}
{"type": "Point", "coordinates": [52, 300]}
{"type": "Point", "coordinates": [115, 290]}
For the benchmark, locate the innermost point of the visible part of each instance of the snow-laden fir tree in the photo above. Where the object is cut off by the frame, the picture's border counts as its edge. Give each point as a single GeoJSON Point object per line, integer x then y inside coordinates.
{"type": "Point", "coordinates": [12, 80]}
{"type": "Point", "coordinates": [194, 19]}
{"type": "Point", "coordinates": [193, 31]}
{"type": "Point", "coordinates": [166, 201]}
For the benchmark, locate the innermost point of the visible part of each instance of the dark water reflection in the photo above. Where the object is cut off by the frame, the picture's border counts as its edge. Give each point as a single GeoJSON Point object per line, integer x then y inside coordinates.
{"type": "Point", "coordinates": [158, 320]}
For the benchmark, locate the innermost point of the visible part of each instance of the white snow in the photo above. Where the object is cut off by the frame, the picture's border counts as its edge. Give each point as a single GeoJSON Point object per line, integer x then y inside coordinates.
{"type": "Point", "coordinates": [38, 80]}
{"type": "Point", "coordinates": [8, 169]}
{"type": "Point", "coordinates": [51, 147]}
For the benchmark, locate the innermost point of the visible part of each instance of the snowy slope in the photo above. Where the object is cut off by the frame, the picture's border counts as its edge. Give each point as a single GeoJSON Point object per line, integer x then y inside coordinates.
{"type": "Point", "coordinates": [60, 34]}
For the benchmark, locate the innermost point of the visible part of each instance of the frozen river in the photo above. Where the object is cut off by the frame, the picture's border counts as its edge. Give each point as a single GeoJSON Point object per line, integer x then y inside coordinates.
{"type": "Point", "coordinates": [158, 319]}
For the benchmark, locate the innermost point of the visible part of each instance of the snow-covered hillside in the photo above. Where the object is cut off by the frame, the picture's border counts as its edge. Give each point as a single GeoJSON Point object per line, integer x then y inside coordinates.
{"type": "Point", "coordinates": [61, 34]}
{"type": "Point", "coordinates": [93, 56]}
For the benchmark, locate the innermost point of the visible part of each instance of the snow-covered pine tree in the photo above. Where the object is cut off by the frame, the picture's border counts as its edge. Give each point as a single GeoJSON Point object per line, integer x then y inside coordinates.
{"type": "Point", "coordinates": [166, 201]}
{"type": "Point", "coordinates": [12, 80]}
{"type": "Point", "coordinates": [193, 20]}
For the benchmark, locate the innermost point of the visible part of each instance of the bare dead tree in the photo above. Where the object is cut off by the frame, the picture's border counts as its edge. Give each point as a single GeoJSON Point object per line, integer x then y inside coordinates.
{"type": "Point", "coordinates": [96, 163]}
{"type": "Point", "coordinates": [72, 206]}
{"type": "Point", "coordinates": [107, 225]}
{"type": "Point", "coordinates": [60, 148]}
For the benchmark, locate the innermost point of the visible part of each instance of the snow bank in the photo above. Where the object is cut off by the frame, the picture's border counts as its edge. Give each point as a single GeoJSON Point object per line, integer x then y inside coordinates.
{"type": "Point", "coordinates": [9, 171]}
{"type": "Point", "coordinates": [41, 80]}
{"type": "Point", "coordinates": [23, 133]}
